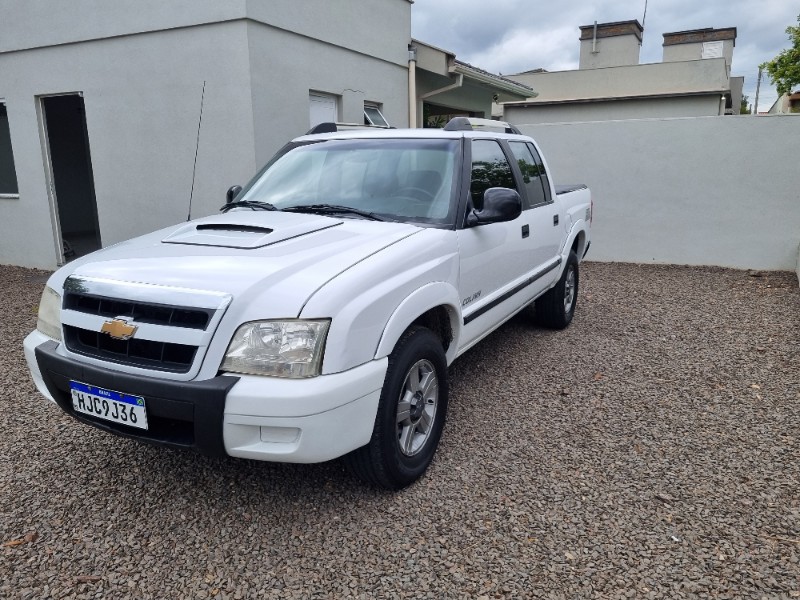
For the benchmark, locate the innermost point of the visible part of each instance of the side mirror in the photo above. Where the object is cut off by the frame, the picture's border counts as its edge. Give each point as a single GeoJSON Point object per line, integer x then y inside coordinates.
{"type": "Point", "coordinates": [499, 204]}
{"type": "Point", "coordinates": [231, 194]}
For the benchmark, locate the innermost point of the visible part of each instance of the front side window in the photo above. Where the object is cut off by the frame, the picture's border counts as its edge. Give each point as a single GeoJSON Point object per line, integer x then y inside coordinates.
{"type": "Point", "coordinates": [8, 174]}
{"type": "Point", "coordinates": [490, 169]}
{"type": "Point", "coordinates": [398, 179]}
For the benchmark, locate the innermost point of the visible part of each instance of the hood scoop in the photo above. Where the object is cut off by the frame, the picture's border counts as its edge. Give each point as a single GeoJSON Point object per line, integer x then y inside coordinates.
{"type": "Point", "coordinates": [232, 227]}
{"type": "Point", "coordinates": [248, 230]}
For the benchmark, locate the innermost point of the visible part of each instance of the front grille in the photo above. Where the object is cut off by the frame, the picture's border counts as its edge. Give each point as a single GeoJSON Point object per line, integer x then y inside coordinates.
{"type": "Point", "coordinates": [143, 312]}
{"type": "Point", "coordinates": [160, 356]}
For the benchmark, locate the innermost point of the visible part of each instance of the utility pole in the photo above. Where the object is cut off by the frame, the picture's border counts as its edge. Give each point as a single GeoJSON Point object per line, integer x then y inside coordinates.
{"type": "Point", "coordinates": [758, 89]}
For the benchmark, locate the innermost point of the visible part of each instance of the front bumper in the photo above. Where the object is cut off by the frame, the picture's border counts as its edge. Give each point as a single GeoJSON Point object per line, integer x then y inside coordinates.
{"type": "Point", "coordinates": [262, 418]}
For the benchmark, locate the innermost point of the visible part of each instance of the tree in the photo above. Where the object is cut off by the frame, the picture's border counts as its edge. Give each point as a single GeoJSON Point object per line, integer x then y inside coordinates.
{"type": "Point", "coordinates": [744, 107]}
{"type": "Point", "coordinates": [784, 69]}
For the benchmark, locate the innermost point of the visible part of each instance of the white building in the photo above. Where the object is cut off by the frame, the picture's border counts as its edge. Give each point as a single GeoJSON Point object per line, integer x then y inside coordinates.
{"type": "Point", "coordinates": [100, 104]}
{"type": "Point", "coordinates": [446, 87]}
{"type": "Point", "coordinates": [694, 78]}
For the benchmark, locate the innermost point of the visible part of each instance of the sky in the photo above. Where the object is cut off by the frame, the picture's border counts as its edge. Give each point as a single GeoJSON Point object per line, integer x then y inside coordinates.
{"type": "Point", "coordinates": [509, 36]}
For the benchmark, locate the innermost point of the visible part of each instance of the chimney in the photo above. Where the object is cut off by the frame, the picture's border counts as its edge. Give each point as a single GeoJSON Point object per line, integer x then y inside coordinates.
{"type": "Point", "coordinates": [697, 44]}
{"type": "Point", "coordinates": [610, 44]}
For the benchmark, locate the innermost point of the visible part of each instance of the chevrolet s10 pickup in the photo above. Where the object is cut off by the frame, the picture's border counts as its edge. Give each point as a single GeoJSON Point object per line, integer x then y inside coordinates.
{"type": "Point", "coordinates": [315, 317]}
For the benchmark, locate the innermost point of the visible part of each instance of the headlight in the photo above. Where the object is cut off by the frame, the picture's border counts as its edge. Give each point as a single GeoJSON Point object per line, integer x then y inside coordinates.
{"type": "Point", "coordinates": [277, 348]}
{"type": "Point", "coordinates": [49, 321]}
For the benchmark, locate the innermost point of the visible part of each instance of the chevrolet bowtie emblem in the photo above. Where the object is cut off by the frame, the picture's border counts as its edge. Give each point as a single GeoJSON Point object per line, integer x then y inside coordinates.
{"type": "Point", "coordinates": [118, 329]}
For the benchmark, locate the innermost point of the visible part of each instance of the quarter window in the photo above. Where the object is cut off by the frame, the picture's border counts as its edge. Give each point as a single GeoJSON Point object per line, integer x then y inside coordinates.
{"type": "Point", "coordinates": [532, 170]}
{"type": "Point", "coordinates": [8, 174]}
{"type": "Point", "coordinates": [490, 169]}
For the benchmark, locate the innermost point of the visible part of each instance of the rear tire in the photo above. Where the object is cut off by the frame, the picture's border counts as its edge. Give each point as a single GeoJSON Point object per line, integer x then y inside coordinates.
{"type": "Point", "coordinates": [556, 308]}
{"type": "Point", "coordinates": [411, 414]}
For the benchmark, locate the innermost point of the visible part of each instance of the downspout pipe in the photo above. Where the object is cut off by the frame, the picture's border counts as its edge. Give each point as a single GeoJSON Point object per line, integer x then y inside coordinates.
{"type": "Point", "coordinates": [412, 87]}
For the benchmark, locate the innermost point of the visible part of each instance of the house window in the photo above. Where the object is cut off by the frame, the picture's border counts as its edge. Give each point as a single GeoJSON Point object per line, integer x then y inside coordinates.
{"type": "Point", "coordinates": [374, 116]}
{"type": "Point", "coordinates": [8, 174]}
{"type": "Point", "coordinates": [322, 108]}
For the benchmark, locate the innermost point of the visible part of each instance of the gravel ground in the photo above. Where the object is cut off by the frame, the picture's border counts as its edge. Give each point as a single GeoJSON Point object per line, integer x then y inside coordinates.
{"type": "Point", "coordinates": [651, 450]}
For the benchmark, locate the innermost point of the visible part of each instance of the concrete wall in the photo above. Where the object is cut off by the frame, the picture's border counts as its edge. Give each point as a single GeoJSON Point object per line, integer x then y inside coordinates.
{"type": "Point", "coordinates": [142, 97]}
{"type": "Point", "coordinates": [140, 66]}
{"type": "Point", "coordinates": [370, 28]}
{"type": "Point", "coordinates": [694, 51]}
{"type": "Point", "coordinates": [610, 52]}
{"type": "Point", "coordinates": [635, 80]}
{"type": "Point", "coordinates": [41, 23]}
{"type": "Point", "coordinates": [703, 191]}
{"type": "Point", "coordinates": [286, 66]}
{"type": "Point", "coordinates": [639, 108]}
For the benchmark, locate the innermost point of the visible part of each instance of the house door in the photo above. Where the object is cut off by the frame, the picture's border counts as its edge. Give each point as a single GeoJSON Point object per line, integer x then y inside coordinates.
{"type": "Point", "coordinates": [70, 179]}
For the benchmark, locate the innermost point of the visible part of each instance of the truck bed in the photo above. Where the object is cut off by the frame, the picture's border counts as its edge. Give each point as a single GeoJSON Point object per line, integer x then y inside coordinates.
{"type": "Point", "coordinates": [569, 187]}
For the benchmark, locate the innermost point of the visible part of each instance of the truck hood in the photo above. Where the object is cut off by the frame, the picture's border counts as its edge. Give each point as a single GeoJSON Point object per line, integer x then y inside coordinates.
{"type": "Point", "coordinates": [244, 253]}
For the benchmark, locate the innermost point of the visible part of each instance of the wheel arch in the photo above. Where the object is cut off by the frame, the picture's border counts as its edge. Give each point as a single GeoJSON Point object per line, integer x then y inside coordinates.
{"type": "Point", "coordinates": [434, 306]}
{"type": "Point", "coordinates": [579, 244]}
{"type": "Point", "coordinates": [575, 242]}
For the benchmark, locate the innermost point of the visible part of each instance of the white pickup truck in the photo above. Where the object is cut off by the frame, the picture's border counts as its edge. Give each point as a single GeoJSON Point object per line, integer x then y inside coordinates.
{"type": "Point", "coordinates": [316, 316]}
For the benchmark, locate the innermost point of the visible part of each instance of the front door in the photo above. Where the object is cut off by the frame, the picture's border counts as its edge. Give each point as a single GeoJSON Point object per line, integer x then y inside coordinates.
{"type": "Point", "coordinates": [495, 258]}
{"type": "Point", "coordinates": [70, 176]}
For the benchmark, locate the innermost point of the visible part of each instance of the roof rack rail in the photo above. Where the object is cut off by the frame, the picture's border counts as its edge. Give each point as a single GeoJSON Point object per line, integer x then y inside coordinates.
{"type": "Point", "coordinates": [334, 127]}
{"type": "Point", "coordinates": [473, 124]}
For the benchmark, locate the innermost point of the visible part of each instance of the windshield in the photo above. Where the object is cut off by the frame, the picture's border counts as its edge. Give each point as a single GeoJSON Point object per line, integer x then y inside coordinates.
{"type": "Point", "coordinates": [399, 179]}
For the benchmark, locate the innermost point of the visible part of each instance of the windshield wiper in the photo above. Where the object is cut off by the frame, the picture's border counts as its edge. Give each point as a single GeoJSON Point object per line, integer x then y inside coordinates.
{"type": "Point", "coordinates": [251, 204]}
{"type": "Point", "coordinates": [332, 209]}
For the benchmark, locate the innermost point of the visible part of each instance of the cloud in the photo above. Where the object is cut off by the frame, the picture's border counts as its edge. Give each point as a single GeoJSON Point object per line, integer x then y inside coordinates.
{"type": "Point", "coordinates": [510, 36]}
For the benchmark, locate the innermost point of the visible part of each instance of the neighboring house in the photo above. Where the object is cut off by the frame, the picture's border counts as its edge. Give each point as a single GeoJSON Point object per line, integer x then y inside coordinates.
{"type": "Point", "coordinates": [446, 87]}
{"type": "Point", "coordinates": [786, 104]}
{"type": "Point", "coordinates": [692, 80]}
{"type": "Point", "coordinates": [100, 104]}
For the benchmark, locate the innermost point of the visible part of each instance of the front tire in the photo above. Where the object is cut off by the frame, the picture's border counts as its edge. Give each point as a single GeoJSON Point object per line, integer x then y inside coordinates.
{"type": "Point", "coordinates": [556, 308]}
{"type": "Point", "coordinates": [411, 414]}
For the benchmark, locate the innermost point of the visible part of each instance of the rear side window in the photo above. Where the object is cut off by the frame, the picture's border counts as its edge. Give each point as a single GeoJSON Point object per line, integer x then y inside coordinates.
{"type": "Point", "coordinates": [533, 175]}
{"type": "Point", "coordinates": [490, 168]}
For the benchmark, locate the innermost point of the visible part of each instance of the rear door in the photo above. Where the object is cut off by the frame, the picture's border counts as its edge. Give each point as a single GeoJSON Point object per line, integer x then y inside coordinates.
{"type": "Point", "coordinates": [546, 229]}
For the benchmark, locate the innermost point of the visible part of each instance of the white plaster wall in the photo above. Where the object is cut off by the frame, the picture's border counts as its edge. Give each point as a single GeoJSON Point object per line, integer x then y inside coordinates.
{"type": "Point", "coordinates": [694, 51]}
{"type": "Point", "coordinates": [702, 191]}
{"type": "Point", "coordinates": [371, 28]}
{"type": "Point", "coordinates": [610, 52]}
{"type": "Point", "coordinates": [142, 97]}
{"type": "Point", "coordinates": [635, 80]}
{"type": "Point", "coordinates": [140, 65]}
{"type": "Point", "coordinates": [37, 23]}
{"type": "Point", "coordinates": [286, 66]}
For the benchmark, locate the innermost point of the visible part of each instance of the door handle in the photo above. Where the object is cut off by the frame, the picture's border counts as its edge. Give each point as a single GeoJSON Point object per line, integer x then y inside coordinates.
{"type": "Point", "coordinates": [555, 220]}
{"type": "Point", "coordinates": [526, 231]}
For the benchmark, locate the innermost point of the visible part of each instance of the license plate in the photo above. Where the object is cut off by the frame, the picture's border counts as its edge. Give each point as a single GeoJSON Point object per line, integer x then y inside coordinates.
{"type": "Point", "coordinates": [109, 405]}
